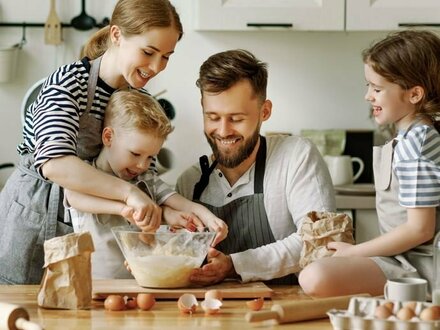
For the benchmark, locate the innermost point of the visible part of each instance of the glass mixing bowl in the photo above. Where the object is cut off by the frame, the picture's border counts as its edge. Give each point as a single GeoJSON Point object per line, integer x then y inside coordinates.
{"type": "Point", "coordinates": [163, 259]}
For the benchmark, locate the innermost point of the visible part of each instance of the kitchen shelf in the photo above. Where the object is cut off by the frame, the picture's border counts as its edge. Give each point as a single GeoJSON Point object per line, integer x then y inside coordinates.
{"type": "Point", "coordinates": [104, 22]}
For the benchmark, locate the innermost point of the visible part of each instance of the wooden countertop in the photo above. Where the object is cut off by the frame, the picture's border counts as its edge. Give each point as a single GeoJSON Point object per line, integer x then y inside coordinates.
{"type": "Point", "coordinates": [164, 314]}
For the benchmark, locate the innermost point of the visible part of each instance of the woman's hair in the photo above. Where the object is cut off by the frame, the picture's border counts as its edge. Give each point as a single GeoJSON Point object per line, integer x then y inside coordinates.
{"type": "Point", "coordinates": [134, 17]}
{"type": "Point", "coordinates": [410, 58]}
{"type": "Point", "coordinates": [131, 109]}
{"type": "Point", "coordinates": [223, 70]}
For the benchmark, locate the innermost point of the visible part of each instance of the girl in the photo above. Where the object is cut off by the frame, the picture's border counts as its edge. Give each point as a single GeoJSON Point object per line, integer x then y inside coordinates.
{"type": "Point", "coordinates": [402, 73]}
{"type": "Point", "coordinates": [63, 128]}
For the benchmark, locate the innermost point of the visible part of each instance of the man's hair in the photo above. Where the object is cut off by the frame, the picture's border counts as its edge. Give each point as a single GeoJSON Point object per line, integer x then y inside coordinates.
{"type": "Point", "coordinates": [131, 109]}
{"type": "Point", "coordinates": [223, 70]}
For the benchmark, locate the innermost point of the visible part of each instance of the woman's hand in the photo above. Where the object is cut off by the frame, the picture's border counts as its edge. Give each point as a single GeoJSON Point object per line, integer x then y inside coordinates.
{"type": "Point", "coordinates": [180, 219]}
{"type": "Point", "coordinates": [217, 225]}
{"type": "Point", "coordinates": [146, 214]}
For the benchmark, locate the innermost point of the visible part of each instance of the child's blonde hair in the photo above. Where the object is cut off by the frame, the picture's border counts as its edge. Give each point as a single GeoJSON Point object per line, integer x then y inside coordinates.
{"type": "Point", "coordinates": [131, 109]}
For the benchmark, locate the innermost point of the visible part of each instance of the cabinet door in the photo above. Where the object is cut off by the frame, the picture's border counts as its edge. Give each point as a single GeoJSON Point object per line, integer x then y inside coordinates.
{"type": "Point", "coordinates": [391, 14]}
{"type": "Point", "coordinates": [243, 15]}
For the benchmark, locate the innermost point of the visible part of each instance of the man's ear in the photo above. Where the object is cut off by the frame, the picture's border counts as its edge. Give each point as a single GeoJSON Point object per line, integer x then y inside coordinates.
{"type": "Point", "coordinates": [416, 94]}
{"type": "Point", "coordinates": [107, 136]}
{"type": "Point", "coordinates": [115, 34]}
{"type": "Point", "coordinates": [266, 110]}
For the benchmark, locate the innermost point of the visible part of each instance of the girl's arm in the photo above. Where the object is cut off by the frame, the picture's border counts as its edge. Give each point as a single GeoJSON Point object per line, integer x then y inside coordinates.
{"type": "Point", "coordinates": [180, 203]}
{"type": "Point", "coordinates": [72, 173]}
{"type": "Point", "coordinates": [419, 228]}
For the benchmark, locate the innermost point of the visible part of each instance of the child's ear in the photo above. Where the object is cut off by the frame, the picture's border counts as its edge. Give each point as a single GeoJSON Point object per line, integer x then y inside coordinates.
{"type": "Point", "coordinates": [416, 94]}
{"type": "Point", "coordinates": [115, 34]}
{"type": "Point", "coordinates": [107, 136]}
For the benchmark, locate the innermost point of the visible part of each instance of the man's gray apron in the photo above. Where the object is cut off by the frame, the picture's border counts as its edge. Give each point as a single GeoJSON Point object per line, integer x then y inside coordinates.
{"type": "Point", "coordinates": [246, 216]}
{"type": "Point", "coordinates": [32, 208]}
{"type": "Point", "coordinates": [418, 261]}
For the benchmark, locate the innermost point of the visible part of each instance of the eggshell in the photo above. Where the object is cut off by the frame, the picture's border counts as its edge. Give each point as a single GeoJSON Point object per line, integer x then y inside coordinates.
{"type": "Point", "coordinates": [430, 313]}
{"type": "Point", "coordinates": [389, 305]}
{"type": "Point", "coordinates": [131, 303]}
{"type": "Point", "coordinates": [145, 301]}
{"type": "Point", "coordinates": [214, 294]}
{"type": "Point", "coordinates": [255, 304]}
{"type": "Point", "coordinates": [211, 305]}
{"type": "Point", "coordinates": [405, 314]}
{"type": "Point", "coordinates": [187, 303]}
{"type": "Point", "coordinates": [382, 312]}
{"type": "Point", "coordinates": [114, 302]}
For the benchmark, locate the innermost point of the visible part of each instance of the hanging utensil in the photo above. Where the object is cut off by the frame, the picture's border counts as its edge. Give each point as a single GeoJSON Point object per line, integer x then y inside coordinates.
{"type": "Point", "coordinates": [52, 27]}
{"type": "Point", "coordinates": [83, 21]}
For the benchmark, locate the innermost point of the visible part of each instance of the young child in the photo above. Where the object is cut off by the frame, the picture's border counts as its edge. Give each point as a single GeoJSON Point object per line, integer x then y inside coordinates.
{"type": "Point", "coordinates": [403, 79]}
{"type": "Point", "coordinates": [135, 127]}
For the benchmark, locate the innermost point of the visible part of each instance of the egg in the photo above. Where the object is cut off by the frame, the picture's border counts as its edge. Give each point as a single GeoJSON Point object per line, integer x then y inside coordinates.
{"type": "Point", "coordinates": [405, 314]}
{"type": "Point", "coordinates": [131, 303]}
{"type": "Point", "coordinates": [114, 302]}
{"type": "Point", "coordinates": [430, 313]}
{"type": "Point", "coordinates": [255, 304]}
{"type": "Point", "coordinates": [187, 303]}
{"type": "Point", "coordinates": [211, 305]}
{"type": "Point", "coordinates": [412, 305]}
{"type": "Point", "coordinates": [214, 294]}
{"type": "Point", "coordinates": [382, 312]}
{"type": "Point", "coordinates": [389, 305]}
{"type": "Point", "coordinates": [145, 301]}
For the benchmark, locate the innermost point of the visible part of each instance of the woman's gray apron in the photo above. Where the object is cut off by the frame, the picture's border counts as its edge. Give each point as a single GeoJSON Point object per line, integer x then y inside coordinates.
{"type": "Point", "coordinates": [32, 207]}
{"type": "Point", "coordinates": [246, 216]}
{"type": "Point", "coordinates": [418, 261]}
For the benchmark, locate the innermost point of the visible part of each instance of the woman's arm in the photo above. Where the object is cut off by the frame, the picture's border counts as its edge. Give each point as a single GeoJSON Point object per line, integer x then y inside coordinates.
{"type": "Point", "coordinates": [419, 228]}
{"type": "Point", "coordinates": [72, 173]}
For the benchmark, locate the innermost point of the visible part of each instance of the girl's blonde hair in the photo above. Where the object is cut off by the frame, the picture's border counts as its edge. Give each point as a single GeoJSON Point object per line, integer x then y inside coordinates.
{"type": "Point", "coordinates": [131, 109]}
{"type": "Point", "coordinates": [410, 58]}
{"type": "Point", "coordinates": [134, 17]}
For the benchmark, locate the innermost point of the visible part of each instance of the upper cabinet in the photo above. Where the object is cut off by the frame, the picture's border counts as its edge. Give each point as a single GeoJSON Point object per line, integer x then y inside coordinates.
{"type": "Point", "coordinates": [241, 15]}
{"type": "Point", "coordinates": [364, 15]}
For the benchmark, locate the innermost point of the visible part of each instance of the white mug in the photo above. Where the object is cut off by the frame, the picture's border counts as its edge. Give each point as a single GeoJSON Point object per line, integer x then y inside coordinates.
{"type": "Point", "coordinates": [341, 169]}
{"type": "Point", "coordinates": [406, 289]}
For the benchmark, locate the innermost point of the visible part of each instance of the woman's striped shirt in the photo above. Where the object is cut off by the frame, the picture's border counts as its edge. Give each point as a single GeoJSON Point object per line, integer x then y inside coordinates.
{"type": "Point", "coordinates": [417, 166]}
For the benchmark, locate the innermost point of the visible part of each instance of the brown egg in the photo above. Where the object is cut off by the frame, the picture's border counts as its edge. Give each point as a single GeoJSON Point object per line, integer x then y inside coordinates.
{"type": "Point", "coordinates": [145, 301]}
{"type": "Point", "coordinates": [187, 303]}
{"type": "Point", "coordinates": [389, 305]}
{"type": "Point", "coordinates": [131, 303]}
{"type": "Point", "coordinates": [411, 304]}
{"type": "Point", "coordinates": [214, 294]}
{"type": "Point", "coordinates": [405, 314]}
{"type": "Point", "coordinates": [255, 304]}
{"type": "Point", "coordinates": [114, 302]}
{"type": "Point", "coordinates": [382, 312]}
{"type": "Point", "coordinates": [430, 314]}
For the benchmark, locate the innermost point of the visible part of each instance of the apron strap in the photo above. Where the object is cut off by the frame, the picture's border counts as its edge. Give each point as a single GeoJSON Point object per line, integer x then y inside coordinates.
{"type": "Point", "coordinates": [200, 186]}
{"type": "Point", "coordinates": [260, 166]}
{"type": "Point", "coordinates": [93, 80]}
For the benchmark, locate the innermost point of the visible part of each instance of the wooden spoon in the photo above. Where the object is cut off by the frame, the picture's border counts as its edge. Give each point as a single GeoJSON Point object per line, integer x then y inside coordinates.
{"type": "Point", "coordinates": [52, 27]}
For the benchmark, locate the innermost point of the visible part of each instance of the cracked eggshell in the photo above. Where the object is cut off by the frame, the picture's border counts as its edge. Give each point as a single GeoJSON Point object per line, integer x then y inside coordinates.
{"type": "Point", "coordinates": [187, 303]}
{"type": "Point", "coordinates": [255, 304]}
{"type": "Point", "coordinates": [214, 294]}
{"type": "Point", "coordinates": [211, 305]}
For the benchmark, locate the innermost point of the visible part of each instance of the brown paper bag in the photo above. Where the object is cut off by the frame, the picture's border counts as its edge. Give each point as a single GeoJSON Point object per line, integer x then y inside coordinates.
{"type": "Point", "coordinates": [320, 228]}
{"type": "Point", "coordinates": [67, 279]}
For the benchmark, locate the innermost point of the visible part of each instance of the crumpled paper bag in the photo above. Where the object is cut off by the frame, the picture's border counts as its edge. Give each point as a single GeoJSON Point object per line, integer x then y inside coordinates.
{"type": "Point", "coordinates": [320, 228]}
{"type": "Point", "coordinates": [67, 279]}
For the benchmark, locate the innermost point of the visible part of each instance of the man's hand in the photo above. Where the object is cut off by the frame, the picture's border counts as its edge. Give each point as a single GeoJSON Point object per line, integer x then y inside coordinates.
{"type": "Point", "coordinates": [218, 268]}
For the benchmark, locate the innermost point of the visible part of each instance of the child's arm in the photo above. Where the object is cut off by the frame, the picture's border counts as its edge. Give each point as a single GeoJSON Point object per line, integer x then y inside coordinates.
{"type": "Point", "coordinates": [180, 203]}
{"type": "Point", "coordinates": [419, 228]}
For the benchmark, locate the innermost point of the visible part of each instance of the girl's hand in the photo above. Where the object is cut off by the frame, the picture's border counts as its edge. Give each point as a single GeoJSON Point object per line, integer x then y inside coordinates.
{"type": "Point", "coordinates": [146, 214]}
{"type": "Point", "coordinates": [341, 249]}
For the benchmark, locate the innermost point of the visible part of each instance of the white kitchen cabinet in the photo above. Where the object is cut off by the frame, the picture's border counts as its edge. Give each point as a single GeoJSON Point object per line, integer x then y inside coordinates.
{"type": "Point", "coordinates": [249, 15]}
{"type": "Point", "coordinates": [384, 15]}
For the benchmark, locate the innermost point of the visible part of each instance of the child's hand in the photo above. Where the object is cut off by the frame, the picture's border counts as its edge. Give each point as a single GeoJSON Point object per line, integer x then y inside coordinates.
{"type": "Point", "coordinates": [217, 225]}
{"type": "Point", "coordinates": [341, 249]}
{"type": "Point", "coordinates": [146, 214]}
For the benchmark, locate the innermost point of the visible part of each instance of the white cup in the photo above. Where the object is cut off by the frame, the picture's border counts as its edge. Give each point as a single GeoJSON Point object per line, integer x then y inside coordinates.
{"type": "Point", "coordinates": [341, 169]}
{"type": "Point", "coordinates": [406, 289]}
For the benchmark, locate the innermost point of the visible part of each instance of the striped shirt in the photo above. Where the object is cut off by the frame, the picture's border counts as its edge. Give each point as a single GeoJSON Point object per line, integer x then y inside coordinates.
{"type": "Point", "coordinates": [417, 166]}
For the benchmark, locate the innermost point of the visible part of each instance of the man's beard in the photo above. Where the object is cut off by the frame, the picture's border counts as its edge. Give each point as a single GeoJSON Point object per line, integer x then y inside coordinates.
{"type": "Point", "coordinates": [233, 160]}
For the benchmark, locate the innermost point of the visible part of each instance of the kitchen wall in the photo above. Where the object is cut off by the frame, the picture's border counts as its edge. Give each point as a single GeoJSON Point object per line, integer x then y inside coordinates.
{"type": "Point", "coordinates": [315, 78]}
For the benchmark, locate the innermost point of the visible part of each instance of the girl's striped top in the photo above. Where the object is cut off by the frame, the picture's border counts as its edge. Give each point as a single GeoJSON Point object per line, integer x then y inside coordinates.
{"type": "Point", "coordinates": [417, 166]}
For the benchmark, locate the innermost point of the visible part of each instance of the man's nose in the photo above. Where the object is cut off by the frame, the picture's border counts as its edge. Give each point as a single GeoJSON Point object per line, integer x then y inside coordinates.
{"type": "Point", "coordinates": [225, 128]}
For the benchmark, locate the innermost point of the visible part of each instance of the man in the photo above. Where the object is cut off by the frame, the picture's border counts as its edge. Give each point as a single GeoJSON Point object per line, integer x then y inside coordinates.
{"type": "Point", "coordinates": [261, 187]}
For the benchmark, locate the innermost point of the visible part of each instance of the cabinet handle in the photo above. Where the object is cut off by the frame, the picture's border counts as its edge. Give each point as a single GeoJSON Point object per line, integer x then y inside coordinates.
{"type": "Point", "coordinates": [419, 24]}
{"type": "Point", "coordinates": [264, 25]}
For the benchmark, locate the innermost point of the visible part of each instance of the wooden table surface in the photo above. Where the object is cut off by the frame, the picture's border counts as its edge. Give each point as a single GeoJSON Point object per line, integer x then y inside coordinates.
{"type": "Point", "coordinates": [164, 314]}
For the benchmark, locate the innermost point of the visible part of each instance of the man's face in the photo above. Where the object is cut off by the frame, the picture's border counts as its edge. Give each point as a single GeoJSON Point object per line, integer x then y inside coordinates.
{"type": "Point", "coordinates": [232, 121]}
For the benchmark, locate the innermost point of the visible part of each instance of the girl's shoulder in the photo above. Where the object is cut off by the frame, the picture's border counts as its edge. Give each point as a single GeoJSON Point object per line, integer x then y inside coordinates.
{"type": "Point", "coordinates": [419, 141]}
